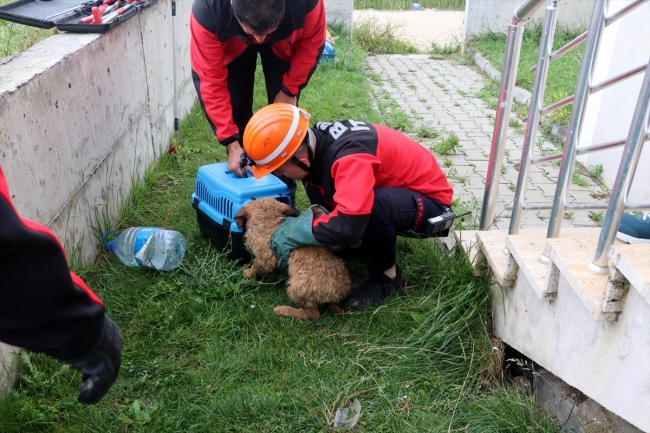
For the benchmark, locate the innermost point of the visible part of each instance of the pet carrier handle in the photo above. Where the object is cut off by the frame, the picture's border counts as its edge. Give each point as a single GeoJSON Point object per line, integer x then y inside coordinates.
{"type": "Point", "coordinates": [245, 161]}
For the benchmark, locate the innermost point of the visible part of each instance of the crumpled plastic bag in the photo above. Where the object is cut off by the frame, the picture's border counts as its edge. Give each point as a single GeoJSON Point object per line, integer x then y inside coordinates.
{"type": "Point", "coordinates": [346, 420]}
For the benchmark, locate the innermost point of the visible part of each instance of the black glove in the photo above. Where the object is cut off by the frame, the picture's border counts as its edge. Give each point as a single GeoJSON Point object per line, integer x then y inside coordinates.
{"type": "Point", "coordinates": [99, 369]}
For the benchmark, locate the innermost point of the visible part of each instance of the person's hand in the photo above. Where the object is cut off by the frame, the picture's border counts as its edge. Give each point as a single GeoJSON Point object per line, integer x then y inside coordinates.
{"type": "Point", "coordinates": [99, 369]}
{"type": "Point", "coordinates": [283, 97]}
{"type": "Point", "coordinates": [293, 233]}
{"type": "Point", "coordinates": [357, 245]}
{"type": "Point", "coordinates": [234, 158]}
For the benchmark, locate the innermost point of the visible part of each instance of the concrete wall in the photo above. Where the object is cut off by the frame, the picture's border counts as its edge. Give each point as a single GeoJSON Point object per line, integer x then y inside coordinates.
{"type": "Point", "coordinates": [607, 361]}
{"type": "Point", "coordinates": [8, 366]}
{"type": "Point", "coordinates": [82, 116]}
{"type": "Point", "coordinates": [484, 16]}
{"type": "Point", "coordinates": [625, 45]}
{"type": "Point", "coordinates": [339, 11]}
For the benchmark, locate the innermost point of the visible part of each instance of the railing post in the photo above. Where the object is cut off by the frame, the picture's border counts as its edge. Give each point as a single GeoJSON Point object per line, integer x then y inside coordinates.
{"type": "Point", "coordinates": [577, 116]}
{"type": "Point", "coordinates": [534, 114]}
{"type": "Point", "coordinates": [631, 154]}
{"type": "Point", "coordinates": [508, 77]}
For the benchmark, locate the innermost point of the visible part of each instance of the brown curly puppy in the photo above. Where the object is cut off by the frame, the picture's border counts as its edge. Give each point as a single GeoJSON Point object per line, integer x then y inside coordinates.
{"type": "Point", "coordinates": [316, 275]}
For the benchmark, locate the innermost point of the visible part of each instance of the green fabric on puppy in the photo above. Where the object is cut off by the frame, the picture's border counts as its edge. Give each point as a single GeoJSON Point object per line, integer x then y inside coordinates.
{"type": "Point", "coordinates": [294, 232]}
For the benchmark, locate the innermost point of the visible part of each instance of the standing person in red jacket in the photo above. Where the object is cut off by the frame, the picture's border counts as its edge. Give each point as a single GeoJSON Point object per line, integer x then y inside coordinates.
{"type": "Point", "coordinates": [374, 181]}
{"type": "Point", "coordinates": [226, 37]}
{"type": "Point", "coordinates": [46, 308]}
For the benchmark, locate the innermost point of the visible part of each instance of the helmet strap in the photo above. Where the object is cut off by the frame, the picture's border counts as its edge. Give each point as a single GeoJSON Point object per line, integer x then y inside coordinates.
{"type": "Point", "coordinates": [311, 146]}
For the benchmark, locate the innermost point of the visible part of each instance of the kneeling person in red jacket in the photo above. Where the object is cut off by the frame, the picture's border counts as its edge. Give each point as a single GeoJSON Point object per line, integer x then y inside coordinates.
{"type": "Point", "coordinates": [46, 308]}
{"type": "Point", "coordinates": [374, 183]}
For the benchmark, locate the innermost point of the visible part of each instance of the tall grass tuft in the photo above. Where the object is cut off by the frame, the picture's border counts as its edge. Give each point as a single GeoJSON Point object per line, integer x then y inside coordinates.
{"type": "Point", "coordinates": [406, 4]}
{"type": "Point", "coordinates": [377, 38]}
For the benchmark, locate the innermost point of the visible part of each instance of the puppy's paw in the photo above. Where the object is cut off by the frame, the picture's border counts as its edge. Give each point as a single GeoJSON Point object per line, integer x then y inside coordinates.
{"type": "Point", "coordinates": [284, 311]}
{"type": "Point", "coordinates": [249, 273]}
{"type": "Point", "coordinates": [336, 309]}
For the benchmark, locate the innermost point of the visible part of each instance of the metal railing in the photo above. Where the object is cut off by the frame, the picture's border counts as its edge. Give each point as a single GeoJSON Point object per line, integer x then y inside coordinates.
{"type": "Point", "coordinates": [633, 144]}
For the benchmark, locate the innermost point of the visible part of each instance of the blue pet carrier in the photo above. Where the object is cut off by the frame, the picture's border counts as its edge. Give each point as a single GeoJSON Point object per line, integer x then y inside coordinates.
{"type": "Point", "coordinates": [218, 197]}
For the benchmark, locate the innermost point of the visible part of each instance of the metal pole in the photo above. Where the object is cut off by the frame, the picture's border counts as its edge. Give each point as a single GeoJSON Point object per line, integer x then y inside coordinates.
{"type": "Point", "coordinates": [631, 155]}
{"type": "Point", "coordinates": [543, 61]}
{"type": "Point", "coordinates": [508, 77]}
{"type": "Point", "coordinates": [175, 64]}
{"type": "Point", "coordinates": [526, 10]}
{"type": "Point", "coordinates": [577, 116]}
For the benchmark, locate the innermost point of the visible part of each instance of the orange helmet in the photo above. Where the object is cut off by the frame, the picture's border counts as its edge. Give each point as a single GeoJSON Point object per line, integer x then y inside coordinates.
{"type": "Point", "coordinates": [272, 136]}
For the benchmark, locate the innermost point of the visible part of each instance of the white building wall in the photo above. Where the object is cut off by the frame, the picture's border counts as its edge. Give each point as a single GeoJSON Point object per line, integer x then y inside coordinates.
{"type": "Point", "coordinates": [339, 11]}
{"type": "Point", "coordinates": [625, 45]}
{"type": "Point", "coordinates": [484, 16]}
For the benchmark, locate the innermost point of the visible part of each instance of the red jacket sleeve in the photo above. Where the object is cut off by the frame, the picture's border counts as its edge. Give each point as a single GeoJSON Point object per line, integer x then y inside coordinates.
{"type": "Point", "coordinates": [308, 47]}
{"type": "Point", "coordinates": [210, 79]}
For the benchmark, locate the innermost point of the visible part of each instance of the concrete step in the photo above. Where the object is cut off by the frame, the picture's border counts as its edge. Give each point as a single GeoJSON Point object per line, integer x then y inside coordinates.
{"type": "Point", "coordinates": [603, 295]}
{"type": "Point", "coordinates": [492, 244]}
{"type": "Point", "coordinates": [633, 261]}
{"type": "Point", "coordinates": [526, 249]}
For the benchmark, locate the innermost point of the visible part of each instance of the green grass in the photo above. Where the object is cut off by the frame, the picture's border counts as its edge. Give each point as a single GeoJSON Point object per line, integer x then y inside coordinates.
{"type": "Point", "coordinates": [16, 38]}
{"type": "Point", "coordinates": [406, 4]}
{"type": "Point", "coordinates": [204, 351]}
{"type": "Point", "coordinates": [447, 145]}
{"type": "Point", "coordinates": [377, 38]}
{"type": "Point", "coordinates": [562, 75]}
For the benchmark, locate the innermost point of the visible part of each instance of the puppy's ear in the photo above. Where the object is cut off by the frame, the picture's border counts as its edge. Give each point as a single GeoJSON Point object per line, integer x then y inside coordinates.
{"type": "Point", "coordinates": [241, 216]}
{"type": "Point", "coordinates": [288, 211]}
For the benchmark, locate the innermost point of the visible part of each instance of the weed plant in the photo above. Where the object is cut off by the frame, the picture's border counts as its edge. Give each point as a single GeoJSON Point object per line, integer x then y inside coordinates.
{"type": "Point", "coordinates": [204, 351]}
{"type": "Point", "coordinates": [377, 38]}
{"type": "Point", "coordinates": [406, 4]}
{"type": "Point", "coordinates": [447, 145]}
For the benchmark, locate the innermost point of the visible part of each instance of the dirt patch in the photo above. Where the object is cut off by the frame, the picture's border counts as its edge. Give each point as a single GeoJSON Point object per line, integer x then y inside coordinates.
{"type": "Point", "coordinates": [421, 28]}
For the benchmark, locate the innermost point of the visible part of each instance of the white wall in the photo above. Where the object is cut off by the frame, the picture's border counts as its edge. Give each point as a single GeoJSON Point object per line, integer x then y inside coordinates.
{"type": "Point", "coordinates": [82, 115]}
{"type": "Point", "coordinates": [339, 11]}
{"type": "Point", "coordinates": [625, 45]}
{"type": "Point", "coordinates": [483, 16]}
{"type": "Point", "coordinates": [608, 361]}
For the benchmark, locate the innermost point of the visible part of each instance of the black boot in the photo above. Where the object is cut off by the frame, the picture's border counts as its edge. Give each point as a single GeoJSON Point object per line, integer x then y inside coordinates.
{"type": "Point", "coordinates": [99, 369]}
{"type": "Point", "coordinates": [373, 291]}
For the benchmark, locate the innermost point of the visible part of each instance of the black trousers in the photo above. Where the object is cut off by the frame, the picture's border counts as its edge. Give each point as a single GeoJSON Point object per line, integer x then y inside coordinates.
{"type": "Point", "coordinates": [241, 84]}
{"type": "Point", "coordinates": [395, 211]}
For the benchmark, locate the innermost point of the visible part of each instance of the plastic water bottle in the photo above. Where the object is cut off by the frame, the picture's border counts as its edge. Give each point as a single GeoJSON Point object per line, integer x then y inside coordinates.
{"type": "Point", "coordinates": [149, 247]}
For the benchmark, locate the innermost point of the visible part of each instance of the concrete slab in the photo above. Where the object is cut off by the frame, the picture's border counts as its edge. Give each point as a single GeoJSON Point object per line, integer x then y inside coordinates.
{"type": "Point", "coordinates": [492, 244]}
{"type": "Point", "coordinates": [633, 261]}
{"type": "Point", "coordinates": [526, 248]}
{"type": "Point", "coordinates": [9, 363]}
{"type": "Point", "coordinates": [571, 254]}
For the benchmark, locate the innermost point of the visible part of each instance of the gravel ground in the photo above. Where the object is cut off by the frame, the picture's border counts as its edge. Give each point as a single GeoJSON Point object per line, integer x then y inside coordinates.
{"type": "Point", "coordinates": [422, 27]}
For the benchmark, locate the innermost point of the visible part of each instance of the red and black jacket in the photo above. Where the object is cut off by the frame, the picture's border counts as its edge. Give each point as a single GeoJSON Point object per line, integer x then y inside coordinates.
{"type": "Point", "coordinates": [217, 39]}
{"type": "Point", "coordinates": [352, 158]}
{"type": "Point", "coordinates": [43, 306]}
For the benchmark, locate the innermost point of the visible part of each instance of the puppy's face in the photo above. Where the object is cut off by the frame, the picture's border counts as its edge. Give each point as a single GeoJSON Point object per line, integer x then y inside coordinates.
{"type": "Point", "coordinates": [263, 209]}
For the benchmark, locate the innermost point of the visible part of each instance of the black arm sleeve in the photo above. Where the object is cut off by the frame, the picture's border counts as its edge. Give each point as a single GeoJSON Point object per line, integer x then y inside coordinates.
{"type": "Point", "coordinates": [43, 306]}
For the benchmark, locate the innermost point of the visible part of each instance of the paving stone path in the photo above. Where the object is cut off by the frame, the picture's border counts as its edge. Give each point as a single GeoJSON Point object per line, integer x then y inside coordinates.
{"type": "Point", "coordinates": [441, 94]}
